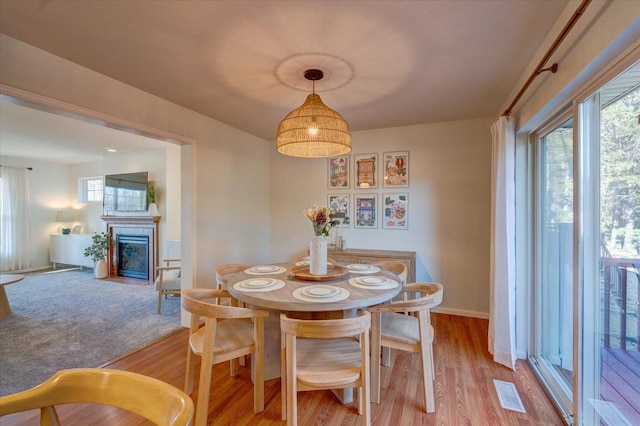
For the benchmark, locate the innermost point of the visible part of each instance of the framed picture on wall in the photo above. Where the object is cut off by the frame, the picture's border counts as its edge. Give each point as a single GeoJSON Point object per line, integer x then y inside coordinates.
{"type": "Point", "coordinates": [396, 169]}
{"type": "Point", "coordinates": [339, 204]}
{"type": "Point", "coordinates": [338, 172]}
{"type": "Point", "coordinates": [366, 170]}
{"type": "Point", "coordinates": [395, 211]}
{"type": "Point", "coordinates": [366, 211]}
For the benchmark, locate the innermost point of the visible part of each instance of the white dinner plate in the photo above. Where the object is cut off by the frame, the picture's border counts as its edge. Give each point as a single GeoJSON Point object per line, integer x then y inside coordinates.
{"type": "Point", "coordinates": [320, 291]}
{"type": "Point", "coordinates": [359, 267]}
{"type": "Point", "coordinates": [372, 281]}
{"type": "Point", "coordinates": [258, 283]}
{"type": "Point", "coordinates": [302, 263]}
{"type": "Point", "coordinates": [265, 269]}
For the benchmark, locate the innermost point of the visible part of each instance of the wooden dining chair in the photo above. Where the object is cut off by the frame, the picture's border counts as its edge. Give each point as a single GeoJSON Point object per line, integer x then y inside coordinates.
{"type": "Point", "coordinates": [228, 332]}
{"type": "Point", "coordinates": [324, 354]}
{"type": "Point", "coordinates": [153, 399]}
{"type": "Point", "coordinates": [226, 269]}
{"type": "Point", "coordinates": [400, 269]}
{"type": "Point", "coordinates": [390, 328]}
{"type": "Point", "coordinates": [222, 279]}
{"type": "Point", "coordinates": [168, 280]}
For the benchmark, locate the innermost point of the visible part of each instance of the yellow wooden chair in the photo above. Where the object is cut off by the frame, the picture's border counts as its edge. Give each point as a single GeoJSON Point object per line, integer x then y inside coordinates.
{"type": "Point", "coordinates": [155, 400]}
{"type": "Point", "coordinates": [391, 328]}
{"type": "Point", "coordinates": [324, 354]}
{"type": "Point", "coordinates": [228, 332]}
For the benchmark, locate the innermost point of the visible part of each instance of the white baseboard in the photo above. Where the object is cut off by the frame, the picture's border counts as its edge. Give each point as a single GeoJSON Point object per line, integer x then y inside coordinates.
{"type": "Point", "coordinates": [21, 271]}
{"type": "Point", "coordinates": [461, 312]}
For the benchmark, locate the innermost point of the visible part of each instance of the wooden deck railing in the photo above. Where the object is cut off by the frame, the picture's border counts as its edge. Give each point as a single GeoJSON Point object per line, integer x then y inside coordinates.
{"type": "Point", "coordinates": [619, 273]}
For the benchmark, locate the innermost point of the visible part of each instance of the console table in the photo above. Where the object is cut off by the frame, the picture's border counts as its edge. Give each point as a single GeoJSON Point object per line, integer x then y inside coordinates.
{"type": "Point", "coordinates": [372, 256]}
{"type": "Point", "coordinates": [69, 249]}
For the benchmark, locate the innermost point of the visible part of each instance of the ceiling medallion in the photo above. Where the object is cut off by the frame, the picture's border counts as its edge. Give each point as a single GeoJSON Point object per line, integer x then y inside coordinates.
{"type": "Point", "coordinates": [313, 130]}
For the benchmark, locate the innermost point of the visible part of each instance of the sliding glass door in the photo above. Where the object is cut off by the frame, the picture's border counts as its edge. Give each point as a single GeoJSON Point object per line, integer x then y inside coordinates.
{"type": "Point", "coordinates": [552, 356]}
{"type": "Point", "coordinates": [586, 242]}
{"type": "Point", "coordinates": [609, 251]}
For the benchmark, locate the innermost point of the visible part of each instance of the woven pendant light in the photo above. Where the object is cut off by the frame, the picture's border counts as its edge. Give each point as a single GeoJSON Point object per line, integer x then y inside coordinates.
{"type": "Point", "coordinates": [313, 130]}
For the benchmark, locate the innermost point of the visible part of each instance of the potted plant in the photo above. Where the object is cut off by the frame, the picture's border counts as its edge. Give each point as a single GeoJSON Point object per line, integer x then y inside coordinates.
{"type": "Point", "coordinates": [98, 252]}
{"type": "Point", "coordinates": [151, 198]}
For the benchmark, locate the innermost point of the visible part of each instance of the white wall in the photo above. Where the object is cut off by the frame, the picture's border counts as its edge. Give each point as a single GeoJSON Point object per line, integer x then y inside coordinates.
{"type": "Point", "coordinates": [172, 198]}
{"type": "Point", "coordinates": [48, 193]}
{"type": "Point", "coordinates": [88, 213]}
{"type": "Point", "coordinates": [449, 205]}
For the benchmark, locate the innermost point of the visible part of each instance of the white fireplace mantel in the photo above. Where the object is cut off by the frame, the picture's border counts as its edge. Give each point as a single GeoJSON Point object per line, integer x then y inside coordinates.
{"type": "Point", "coordinates": [134, 225]}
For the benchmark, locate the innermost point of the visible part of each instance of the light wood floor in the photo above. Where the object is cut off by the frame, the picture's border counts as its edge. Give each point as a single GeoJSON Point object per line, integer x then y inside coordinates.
{"type": "Point", "coordinates": [464, 389]}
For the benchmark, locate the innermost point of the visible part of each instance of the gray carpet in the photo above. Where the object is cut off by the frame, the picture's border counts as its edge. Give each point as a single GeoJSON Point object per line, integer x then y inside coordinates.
{"type": "Point", "coordinates": [69, 320]}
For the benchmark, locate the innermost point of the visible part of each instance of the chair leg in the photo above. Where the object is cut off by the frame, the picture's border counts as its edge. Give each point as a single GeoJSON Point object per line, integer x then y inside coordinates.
{"type": "Point", "coordinates": [190, 371]}
{"type": "Point", "coordinates": [292, 388]}
{"type": "Point", "coordinates": [234, 368]}
{"type": "Point", "coordinates": [283, 377]}
{"type": "Point", "coordinates": [427, 363]}
{"type": "Point", "coordinates": [427, 313]}
{"type": "Point", "coordinates": [375, 357]}
{"type": "Point", "coordinates": [364, 394]}
{"type": "Point", "coordinates": [258, 384]}
{"type": "Point", "coordinates": [386, 356]}
{"type": "Point", "coordinates": [202, 409]}
{"type": "Point", "coordinates": [159, 295]}
{"type": "Point", "coordinates": [49, 416]}
{"type": "Point", "coordinates": [204, 385]}
{"type": "Point", "coordinates": [191, 357]}
{"type": "Point", "coordinates": [433, 360]}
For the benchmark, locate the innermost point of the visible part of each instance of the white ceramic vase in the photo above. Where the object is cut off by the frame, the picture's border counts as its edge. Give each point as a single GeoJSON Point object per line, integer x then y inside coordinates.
{"type": "Point", "coordinates": [318, 255]}
{"type": "Point", "coordinates": [153, 210]}
{"type": "Point", "coordinates": [101, 269]}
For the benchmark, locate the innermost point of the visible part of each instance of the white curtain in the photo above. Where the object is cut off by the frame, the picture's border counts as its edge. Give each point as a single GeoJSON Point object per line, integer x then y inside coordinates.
{"type": "Point", "coordinates": [15, 219]}
{"type": "Point", "coordinates": [502, 320]}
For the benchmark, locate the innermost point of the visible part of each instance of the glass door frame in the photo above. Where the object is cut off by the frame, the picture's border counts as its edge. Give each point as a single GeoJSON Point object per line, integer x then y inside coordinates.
{"type": "Point", "coordinates": [559, 393]}
{"type": "Point", "coordinates": [586, 109]}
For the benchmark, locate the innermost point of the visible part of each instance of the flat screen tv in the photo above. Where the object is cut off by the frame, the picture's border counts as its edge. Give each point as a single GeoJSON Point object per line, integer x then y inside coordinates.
{"type": "Point", "coordinates": [126, 192]}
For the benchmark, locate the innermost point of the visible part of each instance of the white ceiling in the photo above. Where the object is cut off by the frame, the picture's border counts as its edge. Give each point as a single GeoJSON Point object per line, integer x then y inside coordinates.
{"type": "Point", "coordinates": [386, 63]}
{"type": "Point", "coordinates": [39, 135]}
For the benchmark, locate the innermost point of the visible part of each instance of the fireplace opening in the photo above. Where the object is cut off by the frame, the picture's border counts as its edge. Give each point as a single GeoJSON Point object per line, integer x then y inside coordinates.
{"type": "Point", "coordinates": [133, 256]}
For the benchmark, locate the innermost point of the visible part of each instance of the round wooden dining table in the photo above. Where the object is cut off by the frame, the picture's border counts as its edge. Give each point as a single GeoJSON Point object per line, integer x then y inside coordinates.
{"type": "Point", "coordinates": [283, 299]}
{"type": "Point", "coordinates": [6, 279]}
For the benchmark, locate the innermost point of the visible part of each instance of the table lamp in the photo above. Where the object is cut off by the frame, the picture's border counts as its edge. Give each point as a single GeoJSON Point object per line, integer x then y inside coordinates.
{"type": "Point", "coordinates": [64, 216]}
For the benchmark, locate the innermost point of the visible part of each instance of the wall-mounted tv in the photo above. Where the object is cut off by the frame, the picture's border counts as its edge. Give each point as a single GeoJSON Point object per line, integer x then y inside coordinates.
{"type": "Point", "coordinates": [126, 192]}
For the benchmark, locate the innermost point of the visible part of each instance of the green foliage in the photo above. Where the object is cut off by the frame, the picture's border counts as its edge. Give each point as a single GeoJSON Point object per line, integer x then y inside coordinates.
{"type": "Point", "coordinates": [619, 173]}
{"type": "Point", "coordinates": [151, 194]}
{"type": "Point", "coordinates": [99, 248]}
{"type": "Point", "coordinates": [559, 175]}
{"type": "Point", "coordinates": [620, 168]}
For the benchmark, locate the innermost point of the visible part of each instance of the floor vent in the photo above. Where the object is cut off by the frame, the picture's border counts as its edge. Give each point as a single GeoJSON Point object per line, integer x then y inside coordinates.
{"type": "Point", "coordinates": [508, 396]}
